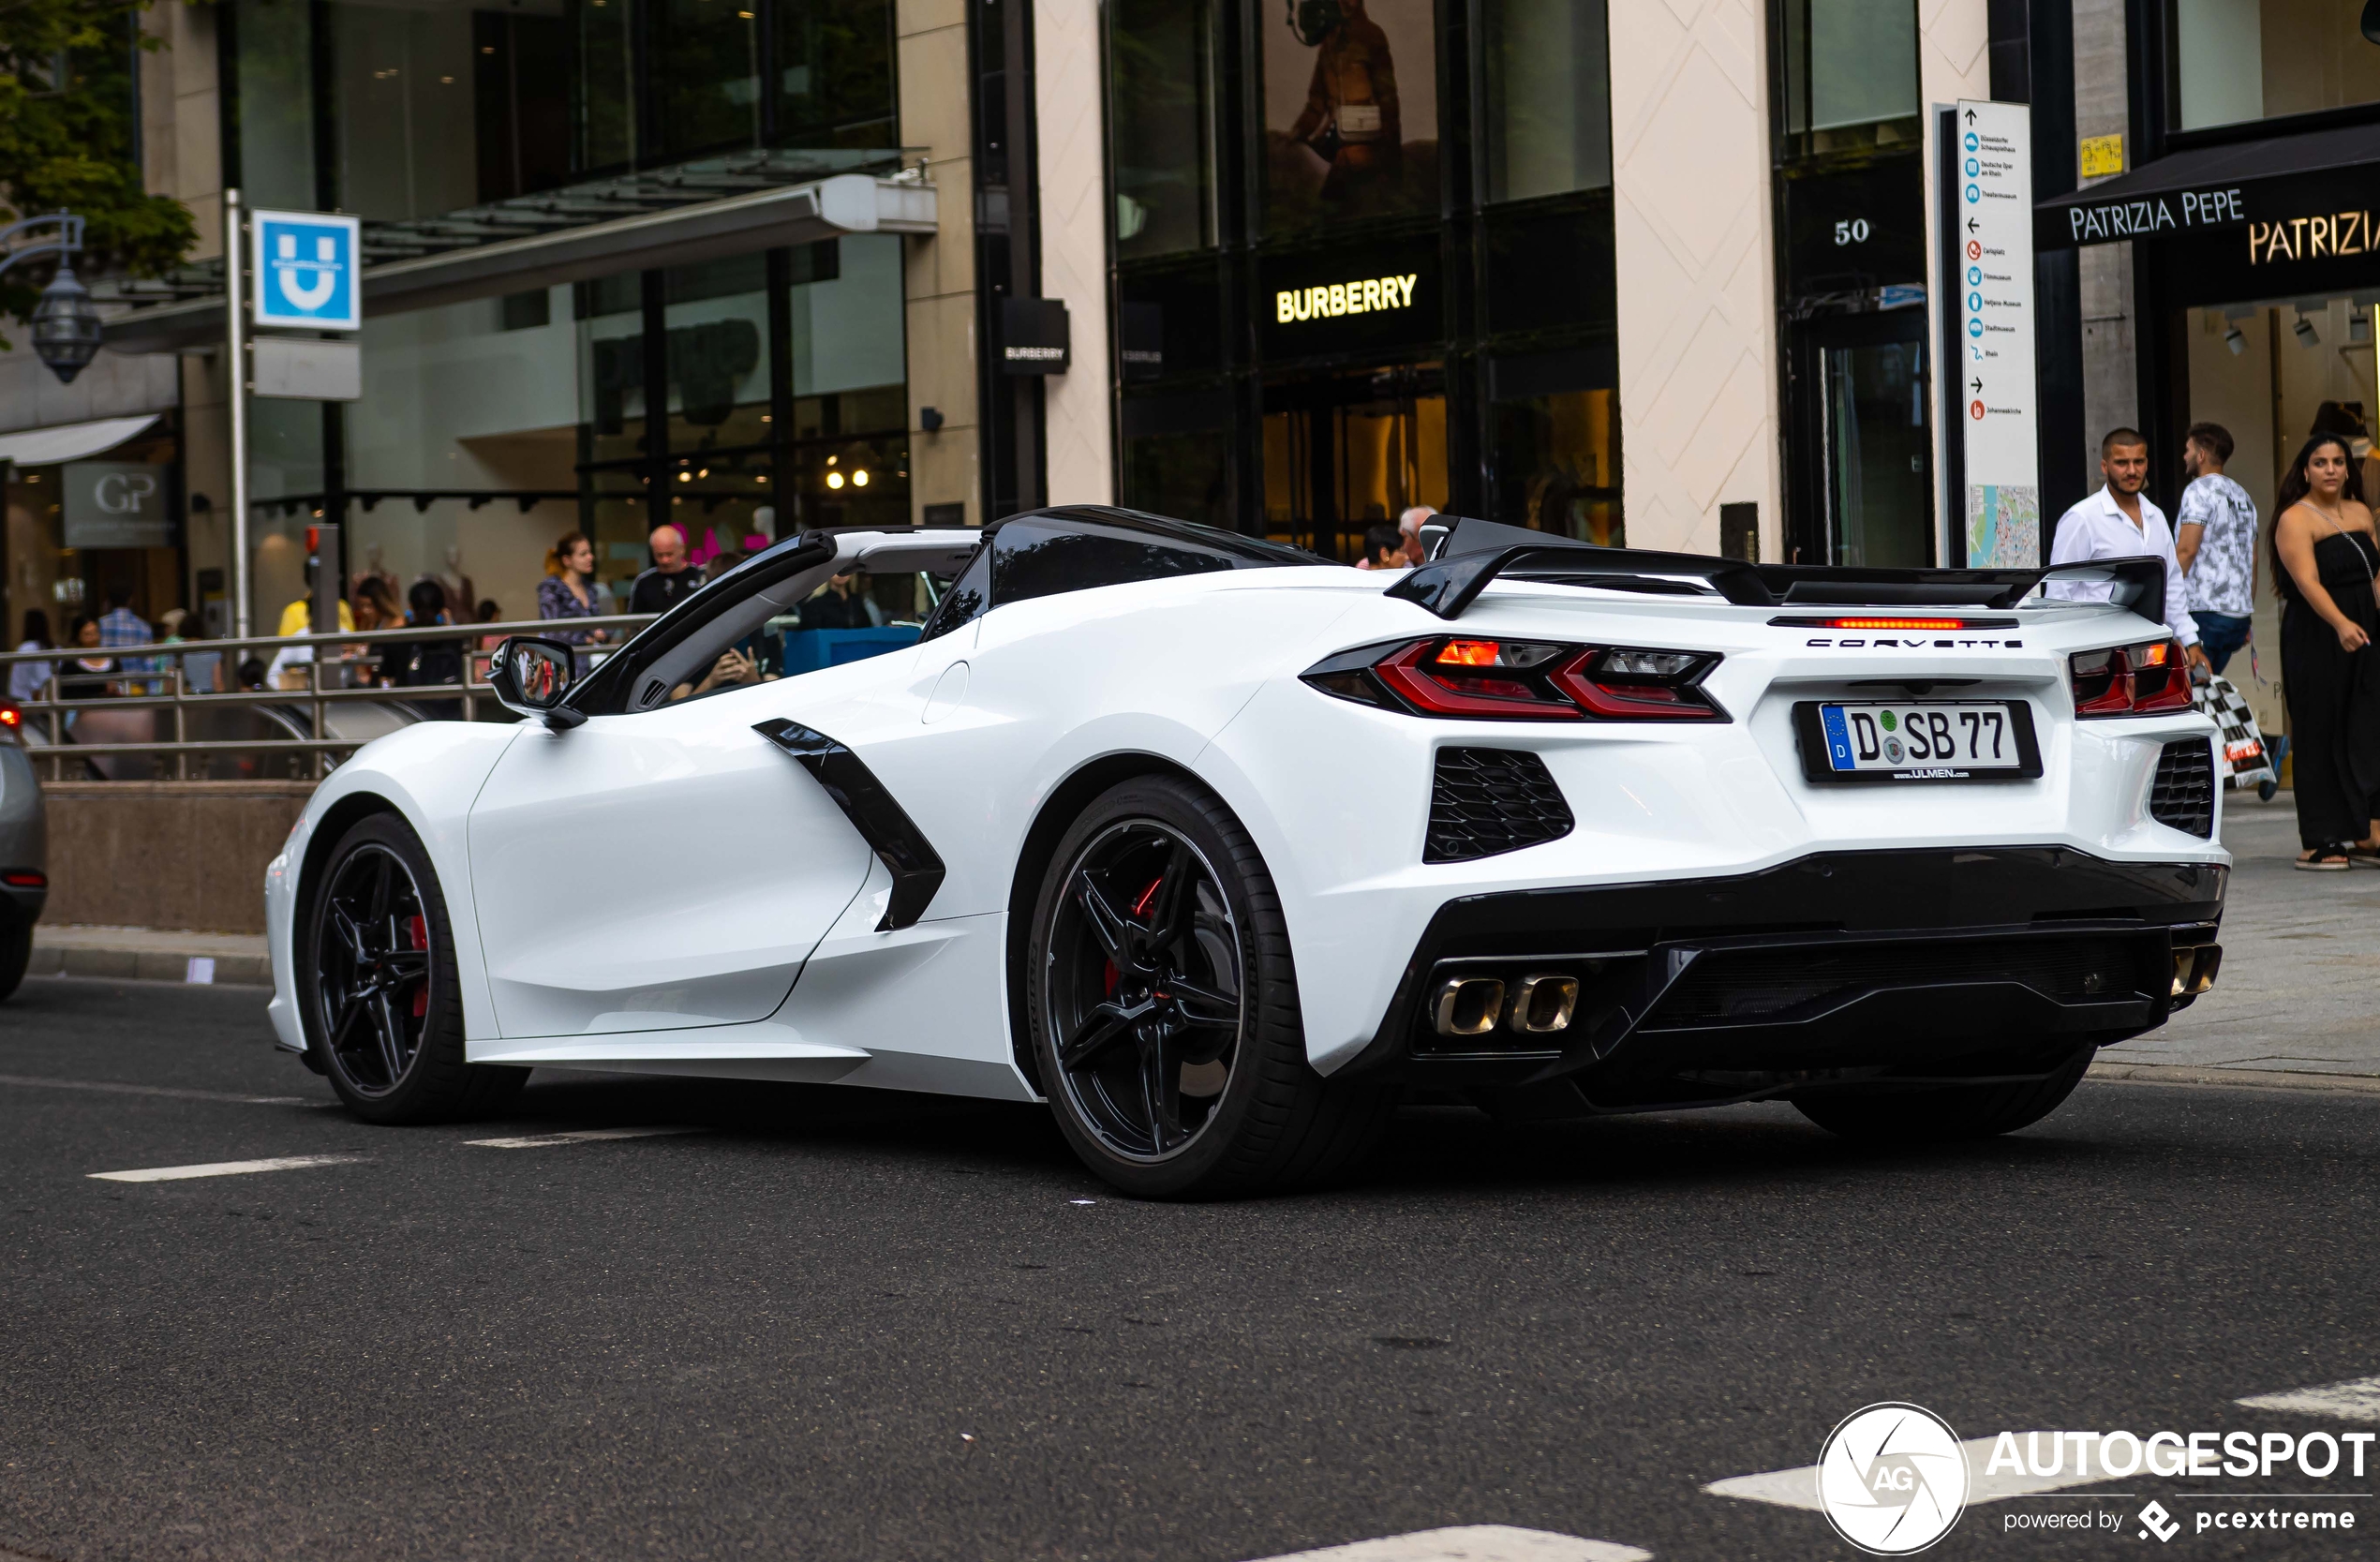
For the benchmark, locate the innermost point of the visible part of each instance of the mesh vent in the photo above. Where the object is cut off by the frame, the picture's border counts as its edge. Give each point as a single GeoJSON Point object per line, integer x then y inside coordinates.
{"type": "Point", "coordinates": [1748, 986]}
{"type": "Point", "coordinates": [1491, 801]}
{"type": "Point", "coordinates": [2184, 794]}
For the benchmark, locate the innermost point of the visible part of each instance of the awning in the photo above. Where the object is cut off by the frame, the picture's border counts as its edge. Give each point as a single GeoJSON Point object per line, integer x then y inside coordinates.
{"type": "Point", "coordinates": [71, 441]}
{"type": "Point", "coordinates": [683, 235]}
{"type": "Point", "coordinates": [2321, 184]}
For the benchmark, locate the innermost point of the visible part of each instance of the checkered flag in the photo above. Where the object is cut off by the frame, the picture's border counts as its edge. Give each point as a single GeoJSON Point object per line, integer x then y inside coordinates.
{"type": "Point", "coordinates": [2246, 759]}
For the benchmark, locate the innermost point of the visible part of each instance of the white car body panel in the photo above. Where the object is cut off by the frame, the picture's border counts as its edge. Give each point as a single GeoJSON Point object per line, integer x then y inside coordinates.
{"type": "Point", "coordinates": [712, 954]}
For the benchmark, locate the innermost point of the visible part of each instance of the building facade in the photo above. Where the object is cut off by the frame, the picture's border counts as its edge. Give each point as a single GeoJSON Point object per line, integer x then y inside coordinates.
{"type": "Point", "coordinates": [1647, 273]}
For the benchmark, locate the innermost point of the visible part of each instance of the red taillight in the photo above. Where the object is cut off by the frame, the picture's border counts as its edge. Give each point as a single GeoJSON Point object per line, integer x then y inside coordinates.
{"type": "Point", "coordinates": [26, 878]}
{"type": "Point", "coordinates": [1453, 678]}
{"type": "Point", "coordinates": [2149, 679]}
{"type": "Point", "coordinates": [10, 715]}
{"type": "Point", "coordinates": [1522, 680]}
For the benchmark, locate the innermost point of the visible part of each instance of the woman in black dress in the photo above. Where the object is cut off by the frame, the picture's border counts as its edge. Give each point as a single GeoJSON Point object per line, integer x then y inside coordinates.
{"type": "Point", "coordinates": [2325, 557]}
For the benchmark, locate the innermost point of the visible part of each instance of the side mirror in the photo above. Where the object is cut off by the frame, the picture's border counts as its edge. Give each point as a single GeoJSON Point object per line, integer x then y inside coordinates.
{"type": "Point", "coordinates": [530, 676]}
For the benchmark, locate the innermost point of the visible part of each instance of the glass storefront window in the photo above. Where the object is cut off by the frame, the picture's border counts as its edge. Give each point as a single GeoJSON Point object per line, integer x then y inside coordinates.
{"type": "Point", "coordinates": [1557, 465]}
{"type": "Point", "coordinates": [835, 73]}
{"type": "Point", "coordinates": [1161, 65]}
{"type": "Point", "coordinates": [2234, 61]}
{"type": "Point", "coordinates": [706, 75]}
{"type": "Point", "coordinates": [1850, 74]}
{"type": "Point", "coordinates": [274, 48]}
{"type": "Point", "coordinates": [605, 119]}
{"type": "Point", "coordinates": [1548, 114]}
{"type": "Point", "coordinates": [1350, 111]}
{"type": "Point", "coordinates": [402, 88]}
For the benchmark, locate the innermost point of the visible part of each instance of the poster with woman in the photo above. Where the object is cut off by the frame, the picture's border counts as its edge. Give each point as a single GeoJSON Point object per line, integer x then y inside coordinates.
{"type": "Point", "coordinates": [1350, 112]}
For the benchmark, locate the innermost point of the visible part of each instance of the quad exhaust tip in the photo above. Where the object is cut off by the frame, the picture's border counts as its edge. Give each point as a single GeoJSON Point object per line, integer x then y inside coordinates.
{"type": "Point", "coordinates": [1542, 1005]}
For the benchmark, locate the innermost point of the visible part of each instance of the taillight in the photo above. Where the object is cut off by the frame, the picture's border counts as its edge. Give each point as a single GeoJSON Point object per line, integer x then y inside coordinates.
{"type": "Point", "coordinates": [2148, 680]}
{"type": "Point", "coordinates": [1527, 680]}
{"type": "Point", "coordinates": [10, 717]}
{"type": "Point", "coordinates": [26, 878]}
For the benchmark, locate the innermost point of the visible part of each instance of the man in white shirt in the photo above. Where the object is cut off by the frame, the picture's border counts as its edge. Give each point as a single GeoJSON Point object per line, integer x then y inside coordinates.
{"type": "Point", "coordinates": [2121, 522]}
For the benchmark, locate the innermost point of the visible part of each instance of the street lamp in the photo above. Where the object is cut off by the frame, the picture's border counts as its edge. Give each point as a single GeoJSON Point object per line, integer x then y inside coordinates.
{"type": "Point", "coordinates": [65, 323]}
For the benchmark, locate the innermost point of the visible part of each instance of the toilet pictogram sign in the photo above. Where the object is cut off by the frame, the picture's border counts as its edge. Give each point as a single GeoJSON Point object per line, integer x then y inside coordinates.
{"type": "Point", "coordinates": [305, 267]}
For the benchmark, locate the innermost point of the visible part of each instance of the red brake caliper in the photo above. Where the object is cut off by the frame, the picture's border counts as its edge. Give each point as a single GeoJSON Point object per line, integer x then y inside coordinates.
{"type": "Point", "coordinates": [1139, 908]}
{"type": "Point", "coordinates": [417, 933]}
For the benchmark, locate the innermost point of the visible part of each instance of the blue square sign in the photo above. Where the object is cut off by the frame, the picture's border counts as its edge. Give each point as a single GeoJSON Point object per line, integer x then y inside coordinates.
{"type": "Point", "coordinates": [305, 270]}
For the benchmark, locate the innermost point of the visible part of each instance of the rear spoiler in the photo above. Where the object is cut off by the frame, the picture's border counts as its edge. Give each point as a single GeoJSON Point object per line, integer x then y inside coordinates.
{"type": "Point", "coordinates": [1476, 552]}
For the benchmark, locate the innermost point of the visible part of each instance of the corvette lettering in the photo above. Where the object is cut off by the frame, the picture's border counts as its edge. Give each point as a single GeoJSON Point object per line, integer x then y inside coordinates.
{"type": "Point", "coordinates": [1919, 645]}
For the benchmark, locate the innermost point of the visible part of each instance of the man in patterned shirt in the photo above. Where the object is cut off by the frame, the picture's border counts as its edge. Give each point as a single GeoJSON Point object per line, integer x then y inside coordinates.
{"type": "Point", "coordinates": [2215, 540]}
{"type": "Point", "coordinates": [120, 626]}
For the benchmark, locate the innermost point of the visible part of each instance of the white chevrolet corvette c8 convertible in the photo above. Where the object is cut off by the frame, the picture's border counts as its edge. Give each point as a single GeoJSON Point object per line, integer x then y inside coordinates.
{"type": "Point", "coordinates": [1222, 850]}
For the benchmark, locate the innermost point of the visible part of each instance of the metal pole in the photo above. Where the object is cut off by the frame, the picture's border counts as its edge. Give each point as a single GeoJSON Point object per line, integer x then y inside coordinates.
{"type": "Point", "coordinates": [235, 339]}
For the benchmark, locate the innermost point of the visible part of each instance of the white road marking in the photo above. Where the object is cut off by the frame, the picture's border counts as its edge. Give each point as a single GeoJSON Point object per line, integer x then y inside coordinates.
{"type": "Point", "coordinates": [2356, 1400]}
{"type": "Point", "coordinates": [1798, 1488]}
{"type": "Point", "coordinates": [223, 1168]}
{"type": "Point", "coordinates": [1476, 1542]}
{"type": "Point", "coordinates": [108, 1087]}
{"type": "Point", "coordinates": [581, 1136]}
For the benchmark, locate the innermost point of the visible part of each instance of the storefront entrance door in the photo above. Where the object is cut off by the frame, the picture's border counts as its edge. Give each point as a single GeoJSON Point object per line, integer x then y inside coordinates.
{"type": "Point", "coordinates": [1865, 461]}
{"type": "Point", "coordinates": [1348, 451]}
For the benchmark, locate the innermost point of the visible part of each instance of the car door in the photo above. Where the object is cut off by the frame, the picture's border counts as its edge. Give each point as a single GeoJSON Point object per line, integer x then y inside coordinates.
{"type": "Point", "coordinates": [662, 868]}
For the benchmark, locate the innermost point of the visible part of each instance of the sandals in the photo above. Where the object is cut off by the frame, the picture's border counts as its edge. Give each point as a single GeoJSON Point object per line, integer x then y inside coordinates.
{"type": "Point", "coordinates": [2359, 855]}
{"type": "Point", "coordinates": [2337, 857]}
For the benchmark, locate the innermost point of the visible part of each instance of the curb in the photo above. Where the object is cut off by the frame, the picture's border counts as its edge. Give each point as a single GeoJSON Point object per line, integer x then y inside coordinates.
{"type": "Point", "coordinates": [2232, 1078]}
{"type": "Point", "coordinates": [147, 965]}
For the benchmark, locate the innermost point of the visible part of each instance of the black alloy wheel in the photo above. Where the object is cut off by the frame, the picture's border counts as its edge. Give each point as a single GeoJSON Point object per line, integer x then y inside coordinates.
{"type": "Point", "coordinates": [372, 969]}
{"type": "Point", "coordinates": [378, 986]}
{"type": "Point", "coordinates": [1144, 983]}
{"type": "Point", "coordinates": [1162, 1006]}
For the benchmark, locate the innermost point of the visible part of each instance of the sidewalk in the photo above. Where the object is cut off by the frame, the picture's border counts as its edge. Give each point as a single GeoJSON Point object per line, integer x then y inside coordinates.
{"type": "Point", "coordinates": [145, 955]}
{"type": "Point", "coordinates": [2297, 1002]}
{"type": "Point", "coordinates": [2298, 999]}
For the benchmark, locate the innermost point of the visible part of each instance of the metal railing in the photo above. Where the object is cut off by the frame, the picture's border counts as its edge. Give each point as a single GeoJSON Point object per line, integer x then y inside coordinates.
{"type": "Point", "coordinates": [340, 672]}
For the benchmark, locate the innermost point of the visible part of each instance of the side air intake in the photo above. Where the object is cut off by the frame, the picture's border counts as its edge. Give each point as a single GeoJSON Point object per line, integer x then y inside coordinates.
{"type": "Point", "coordinates": [1485, 801]}
{"type": "Point", "coordinates": [2184, 794]}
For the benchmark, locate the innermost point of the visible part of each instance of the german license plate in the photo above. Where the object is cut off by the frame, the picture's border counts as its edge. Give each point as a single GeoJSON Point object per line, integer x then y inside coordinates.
{"type": "Point", "coordinates": [1918, 740]}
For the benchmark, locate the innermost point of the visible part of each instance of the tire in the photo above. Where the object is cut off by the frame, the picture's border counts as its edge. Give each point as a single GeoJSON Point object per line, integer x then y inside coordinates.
{"type": "Point", "coordinates": [383, 1010]}
{"type": "Point", "coordinates": [16, 953]}
{"type": "Point", "coordinates": [1946, 1113]}
{"type": "Point", "coordinates": [1169, 1044]}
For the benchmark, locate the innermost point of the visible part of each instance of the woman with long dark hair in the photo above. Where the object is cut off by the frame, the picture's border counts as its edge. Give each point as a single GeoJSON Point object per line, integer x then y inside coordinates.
{"type": "Point", "coordinates": [2325, 557]}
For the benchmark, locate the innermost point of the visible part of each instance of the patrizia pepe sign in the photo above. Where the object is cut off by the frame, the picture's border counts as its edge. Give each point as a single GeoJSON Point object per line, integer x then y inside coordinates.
{"type": "Point", "coordinates": [2311, 238]}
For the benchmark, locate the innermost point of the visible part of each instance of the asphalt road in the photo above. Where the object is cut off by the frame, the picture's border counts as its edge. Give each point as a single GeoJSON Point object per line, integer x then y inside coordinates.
{"type": "Point", "coordinates": [854, 1326]}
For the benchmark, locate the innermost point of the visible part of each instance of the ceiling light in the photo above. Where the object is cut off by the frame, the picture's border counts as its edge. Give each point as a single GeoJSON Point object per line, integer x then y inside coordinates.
{"type": "Point", "coordinates": [684, 477]}
{"type": "Point", "coordinates": [859, 477]}
{"type": "Point", "coordinates": [834, 480]}
{"type": "Point", "coordinates": [2305, 332]}
{"type": "Point", "coordinates": [2236, 341]}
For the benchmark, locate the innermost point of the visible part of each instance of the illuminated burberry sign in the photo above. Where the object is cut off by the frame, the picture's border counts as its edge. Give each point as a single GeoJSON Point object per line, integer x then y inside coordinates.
{"type": "Point", "coordinates": [1344, 298]}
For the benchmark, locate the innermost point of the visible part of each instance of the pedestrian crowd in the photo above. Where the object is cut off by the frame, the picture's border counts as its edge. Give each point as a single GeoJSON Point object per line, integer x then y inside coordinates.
{"type": "Point", "coordinates": [2325, 558]}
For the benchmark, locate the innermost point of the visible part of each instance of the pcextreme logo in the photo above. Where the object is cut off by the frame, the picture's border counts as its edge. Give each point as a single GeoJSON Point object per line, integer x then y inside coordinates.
{"type": "Point", "coordinates": [1892, 1478]}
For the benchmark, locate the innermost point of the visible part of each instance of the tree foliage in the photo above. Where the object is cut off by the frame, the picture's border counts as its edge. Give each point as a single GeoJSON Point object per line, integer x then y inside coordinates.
{"type": "Point", "coordinates": [67, 122]}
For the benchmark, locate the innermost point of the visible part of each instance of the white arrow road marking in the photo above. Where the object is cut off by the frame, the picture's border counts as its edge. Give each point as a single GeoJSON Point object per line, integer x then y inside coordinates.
{"type": "Point", "coordinates": [581, 1136]}
{"type": "Point", "coordinates": [1477, 1542]}
{"type": "Point", "coordinates": [2356, 1400]}
{"type": "Point", "coordinates": [1798, 1488]}
{"type": "Point", "coordinates": [224, 1168]}
{"type": "Point", "coordinates": [111, 1088]}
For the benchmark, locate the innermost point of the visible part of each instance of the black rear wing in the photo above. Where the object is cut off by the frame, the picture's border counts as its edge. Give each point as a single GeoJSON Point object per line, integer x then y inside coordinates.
{"type": "Point", "coordinates": [1476, 552]}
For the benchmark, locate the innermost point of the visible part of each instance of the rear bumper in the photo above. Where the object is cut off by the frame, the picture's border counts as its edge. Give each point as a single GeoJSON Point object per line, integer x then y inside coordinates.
{"type": "Point", "coordinates": [1836, 968]}
{"type": "Point", "coordinates": [21, 908]}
